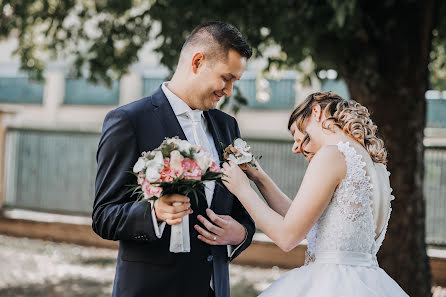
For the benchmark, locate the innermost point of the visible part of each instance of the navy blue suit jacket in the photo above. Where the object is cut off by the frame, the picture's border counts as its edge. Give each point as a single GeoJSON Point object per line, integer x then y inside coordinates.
{"type": "Point", "coordinates": [145, 267]}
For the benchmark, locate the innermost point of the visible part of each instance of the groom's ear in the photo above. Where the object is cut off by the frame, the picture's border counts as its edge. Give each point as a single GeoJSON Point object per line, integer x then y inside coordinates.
{"type": "Point", "coordinates": [197, 62]}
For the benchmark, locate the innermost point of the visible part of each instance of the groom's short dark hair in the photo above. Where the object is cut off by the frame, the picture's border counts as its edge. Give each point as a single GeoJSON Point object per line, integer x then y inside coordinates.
{"type": "Point", "coordinates": [218, 38]}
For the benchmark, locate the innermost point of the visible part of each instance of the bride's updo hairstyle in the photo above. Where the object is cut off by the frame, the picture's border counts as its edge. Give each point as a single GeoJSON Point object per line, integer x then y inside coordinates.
{"type": "Point", "coordinates": [350, 116]}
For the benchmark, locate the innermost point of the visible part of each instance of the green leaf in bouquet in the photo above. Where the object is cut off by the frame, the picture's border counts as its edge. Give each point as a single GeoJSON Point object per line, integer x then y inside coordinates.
{"type": "Point", "coordinates": [135, 189]}
{"type": "Point", "coordinates": [166, 149]}
{"type": "Point", "coordinates": [149, 156]}
{"type": "Point", "coordinates": [220, 183]}
{"type": "Point", "coordinates": [131, 172]}
{"type": "Point", "coordinates": [189, 154]}
{"type": "Point", "coordinates": [210, 175]}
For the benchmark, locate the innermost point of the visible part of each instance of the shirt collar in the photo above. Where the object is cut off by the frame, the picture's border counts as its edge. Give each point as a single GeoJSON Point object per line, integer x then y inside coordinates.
{"type": "Point", "coordinates": [178, 105]}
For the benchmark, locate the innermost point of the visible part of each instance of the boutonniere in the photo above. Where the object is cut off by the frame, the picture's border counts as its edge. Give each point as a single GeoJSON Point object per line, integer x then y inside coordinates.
{"type": "Point", "coordinates": [239, 152]}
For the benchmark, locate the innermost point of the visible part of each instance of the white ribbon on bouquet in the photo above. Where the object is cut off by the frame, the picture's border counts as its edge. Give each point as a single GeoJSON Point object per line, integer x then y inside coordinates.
{"type": "Point", "coordinates": [179, 235]}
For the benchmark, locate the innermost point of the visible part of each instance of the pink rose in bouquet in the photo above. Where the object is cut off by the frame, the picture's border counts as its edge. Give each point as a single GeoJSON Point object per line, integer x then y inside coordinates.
{"type": "Point", "coordinates": [151, 190]}
{"type": "Point", "coordinates": [191, 169]}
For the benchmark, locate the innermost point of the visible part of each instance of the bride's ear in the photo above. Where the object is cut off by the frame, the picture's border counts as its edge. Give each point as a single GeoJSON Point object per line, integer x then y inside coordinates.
{"type": "Point", "coordinates": [316, 112]}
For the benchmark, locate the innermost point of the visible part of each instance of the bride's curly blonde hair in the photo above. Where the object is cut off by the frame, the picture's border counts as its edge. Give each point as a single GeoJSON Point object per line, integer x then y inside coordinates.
{"type": "Point", "coordinates": [349, 116]}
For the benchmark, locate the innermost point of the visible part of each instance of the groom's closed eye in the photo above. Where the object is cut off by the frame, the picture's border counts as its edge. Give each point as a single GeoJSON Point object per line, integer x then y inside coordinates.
{"type": "Point", "coordinates": [229, 76]}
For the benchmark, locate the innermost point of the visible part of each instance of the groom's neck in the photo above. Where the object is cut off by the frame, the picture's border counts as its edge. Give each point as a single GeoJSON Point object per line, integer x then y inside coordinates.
{"type": "Point", "coordinates": [181, 89]}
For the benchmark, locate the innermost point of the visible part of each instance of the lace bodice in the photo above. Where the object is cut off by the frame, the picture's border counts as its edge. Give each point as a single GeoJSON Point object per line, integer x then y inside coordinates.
{"type": "Point", "coordinates": [347, 224]}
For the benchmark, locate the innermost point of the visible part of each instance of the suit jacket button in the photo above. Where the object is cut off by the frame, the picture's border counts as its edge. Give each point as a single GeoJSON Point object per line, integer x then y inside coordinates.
{"type": "Point", "coordinates": [210, 258]}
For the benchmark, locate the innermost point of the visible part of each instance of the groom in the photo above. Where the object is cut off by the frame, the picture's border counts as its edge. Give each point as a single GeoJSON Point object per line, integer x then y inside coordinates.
{"type": "Point", "coordinates": [213, 57]}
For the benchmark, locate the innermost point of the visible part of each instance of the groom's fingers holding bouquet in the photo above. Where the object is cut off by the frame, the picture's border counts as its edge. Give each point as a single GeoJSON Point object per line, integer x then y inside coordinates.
{"type": "Point", "coordinates": [172, 208]}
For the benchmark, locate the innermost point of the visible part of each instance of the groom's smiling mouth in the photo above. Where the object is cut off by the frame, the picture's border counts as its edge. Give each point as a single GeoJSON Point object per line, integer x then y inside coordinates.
{"type": "Point", "coordinates": [218, 96]}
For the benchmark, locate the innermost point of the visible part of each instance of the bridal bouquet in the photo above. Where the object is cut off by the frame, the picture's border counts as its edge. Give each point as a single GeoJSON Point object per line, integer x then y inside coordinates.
{"type": "Point", "coordinates": [239, 153]}
{"type": "Point", "coordinates": [175, 167]}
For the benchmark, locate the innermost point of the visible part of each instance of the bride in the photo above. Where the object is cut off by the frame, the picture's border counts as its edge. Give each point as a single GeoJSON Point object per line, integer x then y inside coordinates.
{"type": "Point", "coordinates": [342, 206]}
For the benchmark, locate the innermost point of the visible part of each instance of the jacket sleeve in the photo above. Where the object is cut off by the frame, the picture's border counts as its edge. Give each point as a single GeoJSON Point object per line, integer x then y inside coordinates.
{"type": "Point", "coordinates": [240, 214]}
{"type": "Point", "coordinates": [116, 215]}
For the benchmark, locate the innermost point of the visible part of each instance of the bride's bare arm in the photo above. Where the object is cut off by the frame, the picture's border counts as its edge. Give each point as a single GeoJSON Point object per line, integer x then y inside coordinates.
{"type": "Point", "coordinates": [324, 173]}
{"type": "Point", "coordinates": [275, 198]}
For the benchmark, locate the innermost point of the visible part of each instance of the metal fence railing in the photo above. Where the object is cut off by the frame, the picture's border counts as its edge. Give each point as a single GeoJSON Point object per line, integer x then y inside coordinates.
{"type": "Point", "coordinates": [54, 171]}
{"type": "Point", "coordinates": [435, 194]}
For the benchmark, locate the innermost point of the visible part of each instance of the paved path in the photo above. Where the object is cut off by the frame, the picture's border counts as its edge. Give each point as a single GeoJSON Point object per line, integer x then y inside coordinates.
{"type": "Point", "coordinates": [34, 268]}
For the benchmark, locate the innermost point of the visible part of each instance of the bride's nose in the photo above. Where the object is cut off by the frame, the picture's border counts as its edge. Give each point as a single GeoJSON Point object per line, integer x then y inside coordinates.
{"type": "Point", "coordinates": [296, 148]}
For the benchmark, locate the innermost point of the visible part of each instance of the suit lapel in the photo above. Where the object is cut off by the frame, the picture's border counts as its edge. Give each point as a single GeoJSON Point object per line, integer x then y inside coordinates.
{"type": "Point", "coordinates": [164, 112]}
{"type": "Point", "coordinates": [213, 128]}
{"type": "Point", "coordinates": [212, 125]}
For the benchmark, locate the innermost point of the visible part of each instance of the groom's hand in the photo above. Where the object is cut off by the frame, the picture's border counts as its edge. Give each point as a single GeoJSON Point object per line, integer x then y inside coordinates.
{"type": "Point", "coordinates": [222, 230]}
{"type": "Point", "coordinates": [172, 208]}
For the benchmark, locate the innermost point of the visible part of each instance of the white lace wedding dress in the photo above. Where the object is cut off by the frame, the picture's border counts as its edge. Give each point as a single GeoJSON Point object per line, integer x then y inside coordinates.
{"type": "Point", "coordinates": [342, 245]}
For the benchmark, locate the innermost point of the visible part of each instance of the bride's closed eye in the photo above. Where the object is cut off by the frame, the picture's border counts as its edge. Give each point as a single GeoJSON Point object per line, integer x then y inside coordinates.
{"type": "Point", "coordinates": [303, 143]}
{"type": "Point", "coordinates": [307, 154]}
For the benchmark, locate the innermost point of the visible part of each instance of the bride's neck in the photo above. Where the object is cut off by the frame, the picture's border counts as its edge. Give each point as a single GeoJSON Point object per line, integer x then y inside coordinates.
{"type": "Point", "coordinates": [336, 137]}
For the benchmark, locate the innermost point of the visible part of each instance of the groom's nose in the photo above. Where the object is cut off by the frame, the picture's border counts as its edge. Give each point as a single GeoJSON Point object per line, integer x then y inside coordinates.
{"type": "Point", "coordinates": [228, 90]}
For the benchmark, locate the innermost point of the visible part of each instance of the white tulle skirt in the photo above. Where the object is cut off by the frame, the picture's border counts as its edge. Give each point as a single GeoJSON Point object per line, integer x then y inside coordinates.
{"type": "Point", "coordinates": [337, 280]}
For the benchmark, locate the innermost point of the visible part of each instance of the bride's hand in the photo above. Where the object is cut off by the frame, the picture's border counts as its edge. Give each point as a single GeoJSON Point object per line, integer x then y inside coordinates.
{"type": "Point", "coordinates": [254, 173]}
{"type": "Point", "coordinates": [234, 179]}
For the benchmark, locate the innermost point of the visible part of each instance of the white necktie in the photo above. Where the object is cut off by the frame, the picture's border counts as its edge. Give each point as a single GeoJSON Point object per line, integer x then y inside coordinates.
{"type": "Point", "coordinates": [201, 139]}
{"type": "Point", "coordinates": [200, 136]}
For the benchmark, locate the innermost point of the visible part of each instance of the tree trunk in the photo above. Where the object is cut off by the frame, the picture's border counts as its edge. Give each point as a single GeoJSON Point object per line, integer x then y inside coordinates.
{"type": "Point", "coordinates": [398, 107]}
{"type": "Point", "coordinates": [400, 121]}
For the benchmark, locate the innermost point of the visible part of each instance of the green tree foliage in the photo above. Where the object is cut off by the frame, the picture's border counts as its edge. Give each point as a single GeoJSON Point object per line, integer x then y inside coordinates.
{"type": "Point", "coordinates": [104, 37]}
{"type": "Point", "coordinates": [330, 31]}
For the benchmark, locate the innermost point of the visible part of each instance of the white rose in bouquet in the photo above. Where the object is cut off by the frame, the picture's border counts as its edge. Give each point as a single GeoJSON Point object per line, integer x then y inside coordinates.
{"type": "Point", "coordinates": [184, 146]}
{"type": "Point", "coordinates": [174, 141]}
{"type": "Point", "coordinates": [139, 165]}
{"type": "Point", "coordinates": [157, 161]}
{"type": "Point", "coordinates": [152, 174]}
{"type": "Point", "coordinates": [204, 160]}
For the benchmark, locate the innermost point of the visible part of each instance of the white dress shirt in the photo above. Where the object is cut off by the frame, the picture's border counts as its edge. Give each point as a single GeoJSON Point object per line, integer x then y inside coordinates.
{"type": "Point", "coordinates": [180, 108]}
